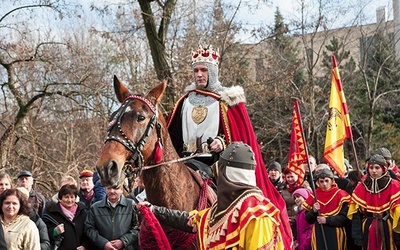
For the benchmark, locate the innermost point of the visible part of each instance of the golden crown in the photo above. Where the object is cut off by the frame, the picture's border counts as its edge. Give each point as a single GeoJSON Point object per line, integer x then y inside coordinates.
{"type": "Point", "coordinates": [205, 55]}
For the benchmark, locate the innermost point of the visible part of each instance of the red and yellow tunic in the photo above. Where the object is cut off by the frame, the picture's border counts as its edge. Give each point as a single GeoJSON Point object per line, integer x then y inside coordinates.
{"type": "Point", "coordinates": [378, 204]}
{"type": "Point", "coordinates": [333, 206]}
{"type": "Point", "coordinates": [251, 223]}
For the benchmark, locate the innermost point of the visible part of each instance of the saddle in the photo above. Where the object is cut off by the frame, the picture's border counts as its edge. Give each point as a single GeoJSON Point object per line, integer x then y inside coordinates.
{"type": "Point", "coordinates": [202, 173]}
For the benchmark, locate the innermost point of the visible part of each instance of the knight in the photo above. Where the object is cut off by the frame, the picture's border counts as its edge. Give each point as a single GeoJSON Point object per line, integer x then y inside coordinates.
{"type": "Point", "coordinates": [209, 116]}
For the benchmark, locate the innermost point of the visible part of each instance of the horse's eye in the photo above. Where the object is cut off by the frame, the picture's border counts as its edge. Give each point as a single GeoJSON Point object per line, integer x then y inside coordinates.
{"type": "Point", "coordinates": [140, 118]}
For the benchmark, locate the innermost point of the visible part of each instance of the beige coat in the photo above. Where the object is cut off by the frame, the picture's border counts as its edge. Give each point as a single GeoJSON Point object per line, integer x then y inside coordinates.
{"type": "Point", "coordinates": [22, 233]}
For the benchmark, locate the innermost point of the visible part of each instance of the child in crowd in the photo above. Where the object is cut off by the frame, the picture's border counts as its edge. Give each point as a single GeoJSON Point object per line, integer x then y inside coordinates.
{"type": "Point", "coordinates": [303, 228]}
{"type": "Point", "coordinates": [328, 212]}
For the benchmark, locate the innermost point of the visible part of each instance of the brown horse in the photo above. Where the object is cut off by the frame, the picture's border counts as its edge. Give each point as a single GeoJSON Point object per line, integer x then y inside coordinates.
{"type": "Point", "coordinates": [134, 131]}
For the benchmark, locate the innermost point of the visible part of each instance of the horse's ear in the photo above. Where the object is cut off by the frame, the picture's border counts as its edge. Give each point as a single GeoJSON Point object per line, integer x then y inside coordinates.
{"type": "Point", "coordinates": [156, 94]}
{"type": "Point", "coordinates": [121, 91]}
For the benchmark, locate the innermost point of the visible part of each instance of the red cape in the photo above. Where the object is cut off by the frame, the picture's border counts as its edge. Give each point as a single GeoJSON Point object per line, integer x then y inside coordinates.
{"type": "Point", "coordinates": [379, 202]}
{"type": "Point", "coordinates": [331, 201]}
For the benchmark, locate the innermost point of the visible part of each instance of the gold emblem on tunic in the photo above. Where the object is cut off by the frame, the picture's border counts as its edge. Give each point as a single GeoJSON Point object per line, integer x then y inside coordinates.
{"type": "Point", "coordinates": [199, 114]}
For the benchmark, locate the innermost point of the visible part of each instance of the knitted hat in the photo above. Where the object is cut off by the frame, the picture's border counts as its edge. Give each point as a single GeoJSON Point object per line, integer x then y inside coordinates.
{"type": "Point", "coordinates": [303, 192]}
{"type": "Point", "coordinates": [23, 191]}
{"type": "Point", "coordinates": [384, 152]}
{"type": "Point", "coordinates": [347, 164]}
{"type": "Point", "coordinates": [274, 165]}
{"type": "Point", "coordinates": [86, 173]}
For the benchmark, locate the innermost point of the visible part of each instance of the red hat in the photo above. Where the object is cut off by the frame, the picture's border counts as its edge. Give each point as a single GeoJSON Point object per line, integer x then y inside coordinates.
{"type": "Point", "coordinates": [86, 173]}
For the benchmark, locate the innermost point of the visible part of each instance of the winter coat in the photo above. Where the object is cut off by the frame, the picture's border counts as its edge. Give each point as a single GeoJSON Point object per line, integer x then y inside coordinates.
{"type": "Point", "coordinates": [43, 234]}
{"type": "Point", "coordinates": [105, 223]}
{"type": "Point", "coordinates": [303, 229]}
{"type": "Point", "coordinates": [74, 235]}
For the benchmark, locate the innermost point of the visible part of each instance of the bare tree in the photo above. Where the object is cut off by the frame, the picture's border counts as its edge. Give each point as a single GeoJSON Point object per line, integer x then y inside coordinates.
{"type": "Point", "coordinates": [54, 98]}
{"type": "Point", "coordinates": [379, 83]}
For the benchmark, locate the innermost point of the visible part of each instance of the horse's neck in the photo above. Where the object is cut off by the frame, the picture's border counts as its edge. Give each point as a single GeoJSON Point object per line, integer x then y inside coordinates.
{"type": "Point", "coordinates": [168, 184]}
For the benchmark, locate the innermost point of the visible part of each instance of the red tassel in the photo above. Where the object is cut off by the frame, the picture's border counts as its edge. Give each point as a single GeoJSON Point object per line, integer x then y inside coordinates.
{"type": "Point", "coordinates": [158, 152]}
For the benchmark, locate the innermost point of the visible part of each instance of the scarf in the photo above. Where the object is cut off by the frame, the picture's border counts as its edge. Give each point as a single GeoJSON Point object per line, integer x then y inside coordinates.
{"type": "Point", "coordinates": [89, 195]}
{"type": "Point", "coordinates": [292, 187]}
{"type": "Point", "coordinates": [70, 214]}
{"type": "Point", "coordinates": [279, 184]}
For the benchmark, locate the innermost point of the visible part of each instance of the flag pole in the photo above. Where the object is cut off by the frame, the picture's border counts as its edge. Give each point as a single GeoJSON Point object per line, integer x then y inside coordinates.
{"type": "Point", "coordinates": [310, 172]}
{"type": "Point", "coordinates": [353, 149]}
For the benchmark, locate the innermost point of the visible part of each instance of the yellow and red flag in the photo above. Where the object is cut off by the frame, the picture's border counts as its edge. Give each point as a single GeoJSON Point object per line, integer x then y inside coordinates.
{"type": "Point", "coordinates": [297, 151]}
{"type": "Point", "coordinates": [338, 128]}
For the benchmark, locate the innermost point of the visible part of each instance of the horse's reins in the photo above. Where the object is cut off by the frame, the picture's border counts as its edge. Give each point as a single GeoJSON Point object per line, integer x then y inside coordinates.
{"type": "Point", "coordinates": [174, 161]}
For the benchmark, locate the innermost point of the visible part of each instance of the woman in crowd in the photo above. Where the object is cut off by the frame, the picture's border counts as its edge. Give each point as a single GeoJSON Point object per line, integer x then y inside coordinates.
{"type": "Point", "coordinates": [293, 182]}
{"type": "Point", "coordinates": [66, 218]}
{"type": "Point", "coordinates": [374, 208]}
{"type": "Point", "coordinates": [354, 177]}
{"type": "Point", "coordinates": [20, 232]}
{"type": "Point", "coordinates": [328, 212]}
{"type": "Point", "coordinates": [5, 182]}
{"type": "Point", "coordinates": [290, 185]}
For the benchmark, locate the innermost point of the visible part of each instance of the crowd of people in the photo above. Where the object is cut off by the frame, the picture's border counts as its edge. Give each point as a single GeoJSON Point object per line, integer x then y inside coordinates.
{"type": "Point", "coordinates": [359, 211]}
{"type": "Point", "coordinates": [257, 206]}
{"type": "Point", "coordinates": [71, 219]}
{"type": "Point", "coordinates": [365, 216]}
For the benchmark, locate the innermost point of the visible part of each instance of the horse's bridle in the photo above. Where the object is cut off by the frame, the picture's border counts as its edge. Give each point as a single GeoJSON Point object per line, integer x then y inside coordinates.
{"type": "Point", "coordinates": [136, 149]}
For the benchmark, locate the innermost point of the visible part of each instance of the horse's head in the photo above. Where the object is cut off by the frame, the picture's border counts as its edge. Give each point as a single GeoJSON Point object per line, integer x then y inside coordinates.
{"type": "Point", "coordinates": [131, 138]}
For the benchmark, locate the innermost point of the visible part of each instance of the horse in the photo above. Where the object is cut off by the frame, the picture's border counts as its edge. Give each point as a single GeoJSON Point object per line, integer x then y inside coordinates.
{"type": "Point", "coordinates": [138, 137]}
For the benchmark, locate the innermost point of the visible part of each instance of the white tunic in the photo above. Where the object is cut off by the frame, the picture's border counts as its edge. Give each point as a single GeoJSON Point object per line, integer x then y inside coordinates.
{"type": "Point", "coordinates": [193, 129]}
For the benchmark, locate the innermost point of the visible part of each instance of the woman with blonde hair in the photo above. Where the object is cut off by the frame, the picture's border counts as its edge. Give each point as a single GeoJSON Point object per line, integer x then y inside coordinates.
{"type": "Point", "coordinates": [5, 182]}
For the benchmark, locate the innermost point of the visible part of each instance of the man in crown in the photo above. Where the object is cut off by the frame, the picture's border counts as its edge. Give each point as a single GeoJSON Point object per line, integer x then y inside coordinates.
{"type": "Point", "coordinates": [209, 110]}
